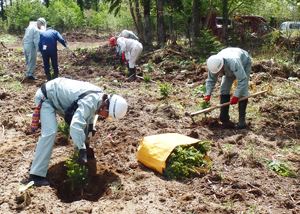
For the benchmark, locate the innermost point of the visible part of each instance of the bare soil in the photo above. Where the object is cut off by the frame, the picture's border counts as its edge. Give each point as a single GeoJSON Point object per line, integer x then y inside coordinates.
{"type": "Point", "coordinates": [239, 181]}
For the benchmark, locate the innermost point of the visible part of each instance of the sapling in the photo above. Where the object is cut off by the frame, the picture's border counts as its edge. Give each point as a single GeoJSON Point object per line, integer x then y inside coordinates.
{"type": "Point", "coordinates": [147, 78]}
{"type": "Point", "coordinates": [77, 173]}
{"type": "Point", "coordinates": [64, 128]}
{"type": "Point", "coordinates": [165, 89]}
{"type": "Point", "coordinates": [188, 161]}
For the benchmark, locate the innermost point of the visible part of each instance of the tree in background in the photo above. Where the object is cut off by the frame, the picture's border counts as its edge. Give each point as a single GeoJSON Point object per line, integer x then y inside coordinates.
{"type": "Point", "coordinates": [196, 19]}
{"type": "Point", "coordinates": [2, 10]}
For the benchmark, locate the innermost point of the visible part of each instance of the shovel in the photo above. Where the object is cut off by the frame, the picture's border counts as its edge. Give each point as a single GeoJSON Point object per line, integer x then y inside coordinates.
{"type": "Point", "coordinates": [223, 104]}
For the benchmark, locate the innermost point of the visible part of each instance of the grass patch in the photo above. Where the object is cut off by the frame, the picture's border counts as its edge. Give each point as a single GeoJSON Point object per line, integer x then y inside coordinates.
{"type": "Point", "coordinates": [281, 168]}
{"type": "Point", "coordinates": [8, 39]}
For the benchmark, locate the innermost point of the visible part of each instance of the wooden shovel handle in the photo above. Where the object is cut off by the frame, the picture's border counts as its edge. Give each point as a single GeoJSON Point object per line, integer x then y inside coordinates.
{"type": "Point", "coordinates": [225, 104]}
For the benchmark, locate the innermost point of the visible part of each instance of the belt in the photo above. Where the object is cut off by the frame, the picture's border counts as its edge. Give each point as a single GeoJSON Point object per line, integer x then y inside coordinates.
{"type": "Point", "coordinates": [44, 91]}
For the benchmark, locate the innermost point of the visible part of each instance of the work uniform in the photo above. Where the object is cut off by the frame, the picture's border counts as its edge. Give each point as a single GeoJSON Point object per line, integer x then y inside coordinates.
{"type": "Point", "coordinates": [48, 48]}
{"type": "Point", "coordinates": [132, 49]}
{"type": "Point", "coordinates": [237, 65]}
{"type": "Point", "coordinates": [128, 34]}
{"type": "Point", "coordinates": [30, 47]}
{"type": "Point", "coordinates": [61, 93]}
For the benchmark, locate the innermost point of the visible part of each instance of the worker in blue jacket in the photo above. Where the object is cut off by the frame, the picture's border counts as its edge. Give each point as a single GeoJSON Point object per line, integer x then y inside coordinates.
{"type": "Point", "coordinates": [48, 49]}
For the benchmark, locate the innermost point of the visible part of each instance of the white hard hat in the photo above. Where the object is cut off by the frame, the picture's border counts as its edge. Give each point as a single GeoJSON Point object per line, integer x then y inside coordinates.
{"type": "Point", "coordinates": [117, 106]}
{"type": "Point", "coordinates": [215, 63]}
{"type": "Point", "coordinates": [42, 21]}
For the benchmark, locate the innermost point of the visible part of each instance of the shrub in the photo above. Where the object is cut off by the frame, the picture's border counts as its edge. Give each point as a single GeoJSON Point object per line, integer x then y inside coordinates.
{"type": "Point", "coordinates": [165, 89]}
{"type": "Point", "coordinates": [188, 161]}
{"type": "Point", "coordinates": [77, 174]}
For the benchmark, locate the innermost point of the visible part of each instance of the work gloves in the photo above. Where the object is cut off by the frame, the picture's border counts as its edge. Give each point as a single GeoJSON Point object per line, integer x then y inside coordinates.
{"type": "Point", "coordinates": [123, 57]}
{"type": "Point", "coordinates": [234, 100]}
{"type": "Point", "coordinates": [207, 98]}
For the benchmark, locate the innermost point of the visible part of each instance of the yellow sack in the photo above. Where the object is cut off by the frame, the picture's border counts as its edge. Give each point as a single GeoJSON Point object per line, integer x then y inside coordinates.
{"type": "Point", "coordinates": [154, 150]}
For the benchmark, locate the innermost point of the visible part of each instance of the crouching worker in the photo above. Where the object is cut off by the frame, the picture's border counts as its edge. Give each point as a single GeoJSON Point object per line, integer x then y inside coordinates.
{"type": "Point", "coordinates": [56, 96]}
{"type": "Point", "coordinates": [231, 63]}
{"type": "Point", "coordinates": [128, 34]}
{"type": "Point", "coordinates": [130, 50]}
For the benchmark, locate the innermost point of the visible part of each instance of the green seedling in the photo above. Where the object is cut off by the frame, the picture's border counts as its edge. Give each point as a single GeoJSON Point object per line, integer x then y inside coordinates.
{"type": "Point", "coordinates": [204, 105]}
{"type": "Point", "coordinates": [165, 89]}
{"type": "Point", "coordinates": [281, 168]}
{"type": "Point", "coordinates": [148, 67]}
{"type": "Point", "coordinates": [77, 174]}
{"type": "Point", "coordinates": [201, 89]}
{"type": "Point", "coordinates": [188, 161]}
{"type": "Point", "coordinates": [147, 78]}
{"type": "Point", "coordinates": [64, 128]}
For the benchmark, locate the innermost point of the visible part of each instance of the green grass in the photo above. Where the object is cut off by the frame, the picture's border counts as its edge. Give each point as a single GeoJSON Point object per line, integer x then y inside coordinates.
{"type": "Point", "coordinates": [281, 168]}
{"type": "Point", "coordinates": [8, 39]}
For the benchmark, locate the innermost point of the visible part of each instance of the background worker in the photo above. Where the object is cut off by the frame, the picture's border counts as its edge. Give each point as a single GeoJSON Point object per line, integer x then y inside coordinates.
{"type": "Point", "coordinates": [48, 48]}
{"type": "Point", "coordinates": [130, 50]}
{"type": "Point", "coordinates": [128, 34]}
{"type": "Point", "coordinates": [56, 96]}
{"type": "Point", "coordinates": [30, 46]}
{"type": "Point", "coordinates": [231, 63]}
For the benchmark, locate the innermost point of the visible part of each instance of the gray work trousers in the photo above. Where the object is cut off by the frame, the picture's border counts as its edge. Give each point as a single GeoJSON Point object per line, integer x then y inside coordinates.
{"type": "Point", "coordinates": [30, 58]}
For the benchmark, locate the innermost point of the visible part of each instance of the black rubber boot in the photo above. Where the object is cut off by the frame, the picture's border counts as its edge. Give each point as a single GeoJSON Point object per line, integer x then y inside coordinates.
{"type": "Point", "coordinates": [132, 74]}
{"type": "Point", "coordinates": [37, 180]}
{"type": "Point", "coordinates": [82, 159]}
{"type": "Point", "coordinates": [242, 114]}
{"type": "Point", "coordinates": [224, 112]}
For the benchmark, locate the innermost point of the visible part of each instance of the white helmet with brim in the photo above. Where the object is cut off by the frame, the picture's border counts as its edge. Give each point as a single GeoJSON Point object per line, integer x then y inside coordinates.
{"type": "Point", "coordinates": [215, 63]}
{"type": "Point", "coordinates": [117, 106]}
{"type": "Point", "coordinates": [42, 21]}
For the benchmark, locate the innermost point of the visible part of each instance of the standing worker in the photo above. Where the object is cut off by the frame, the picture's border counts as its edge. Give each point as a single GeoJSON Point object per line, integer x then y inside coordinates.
{"type": "Point", "coordinates": [30, 46]}
{"type": "Point", "coordinates": [130, 50]}
{"type": "Point", "coordinates": [232, 63]}
{"type": "Point", "coordinates": [48, 48]}
{"type": "Point", "coordinates": [56, 96]}
{"type": "Point", "coordinates": [128, 34]}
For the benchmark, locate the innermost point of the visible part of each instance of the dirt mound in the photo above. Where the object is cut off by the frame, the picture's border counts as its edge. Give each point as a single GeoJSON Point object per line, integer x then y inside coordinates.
{"type": "Point", "coordinates": [274, 69]}
{"type": "Point", "coordinates": [81, 37]}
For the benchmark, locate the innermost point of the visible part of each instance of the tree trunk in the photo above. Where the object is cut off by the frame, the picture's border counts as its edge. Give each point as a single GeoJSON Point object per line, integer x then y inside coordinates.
{"type": "Point", "coordinates": [133, 15]}
{"type": "Point", "coordinates": [47, 2]}
{"type": "Point", "coordinates": [140, 28]}
{"type": "Point", "coordinates": [147, 21]}
{"type": "Point", "coordinates": [80, 4]}
{"type": "Point", "coordinates": [2, 9]}
{"type": "Point", "coordinates": [225, 20]}
{"type": "Point", "coordinates": [196, 20]}
{"type": "Point", "coordinates": [161, 35]}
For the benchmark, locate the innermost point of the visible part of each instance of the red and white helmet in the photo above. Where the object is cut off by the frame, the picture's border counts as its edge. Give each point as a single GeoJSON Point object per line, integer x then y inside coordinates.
{"type": "Point", "coordinates": [113, 41]}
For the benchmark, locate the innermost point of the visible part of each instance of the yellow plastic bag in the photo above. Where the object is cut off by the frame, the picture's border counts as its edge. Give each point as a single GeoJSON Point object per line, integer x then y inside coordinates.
{"type": "Point", "coordinates": [154, 150]}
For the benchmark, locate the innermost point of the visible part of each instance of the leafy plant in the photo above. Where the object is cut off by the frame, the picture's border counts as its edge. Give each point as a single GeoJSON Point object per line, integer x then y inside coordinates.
{"type": "Point", "coordinates": [188, 161]}
{"type": "Point", "coordinates": [165, 89]}
{"type": "Point", "coordinates": [199, 90]}
{"type": "Point", "coordinates": [148, 67]}
{"type": "Point", "coordinates": [64, 128]}
{"type": "Point", "coordinates": [147, 78]}
{"type": "Point", "coordinates": [281, 168]}
{"type": "Point", "coordinates": [204, 104]}
{"type": "Point", "coordinates": [77, 174]}
{"type": "Point", "coordinates": [207, 45]}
